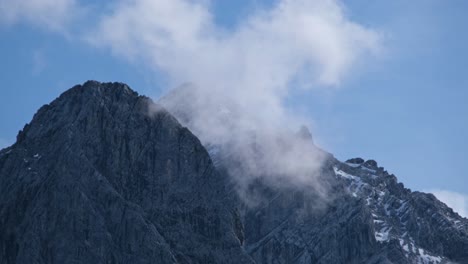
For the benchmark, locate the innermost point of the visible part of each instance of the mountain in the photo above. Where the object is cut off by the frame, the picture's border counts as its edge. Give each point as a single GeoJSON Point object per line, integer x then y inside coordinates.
{"type": "Point", "coordinates": [103, 175]}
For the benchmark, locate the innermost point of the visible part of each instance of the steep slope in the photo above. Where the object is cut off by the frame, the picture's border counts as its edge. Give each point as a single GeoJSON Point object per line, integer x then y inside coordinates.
{"type": "Point", "coordinates": [415, 224]}
{"type": "Point", "coordinates": [370, 218]}
{"type": "Point", "coordinates": [97, 178]}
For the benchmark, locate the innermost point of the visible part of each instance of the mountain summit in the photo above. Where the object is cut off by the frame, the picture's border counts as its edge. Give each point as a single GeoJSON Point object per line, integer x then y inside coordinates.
{"type": "Point", "coordinates": [96, 178]}
{"type": "Point", "coordinates": [103, 175]}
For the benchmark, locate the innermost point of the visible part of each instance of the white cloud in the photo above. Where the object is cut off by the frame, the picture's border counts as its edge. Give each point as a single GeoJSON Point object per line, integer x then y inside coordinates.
{"type": "Point", "coordinates": [457, 201]}
{"type": "Point", "coordinates": [247, 71]}
{"type": "Point", "coordinates": [54, 15]}
{"type": "Point", "coordinates": [266, 51]}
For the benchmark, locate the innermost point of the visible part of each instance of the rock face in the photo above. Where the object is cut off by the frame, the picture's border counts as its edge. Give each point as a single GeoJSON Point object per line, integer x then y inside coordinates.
{"type": "Point", "coordinates": [409, 227]}
{"type": "Point", "coordinates": [371, 219]}
{"type": "Point", "coordinates": [98, 177]}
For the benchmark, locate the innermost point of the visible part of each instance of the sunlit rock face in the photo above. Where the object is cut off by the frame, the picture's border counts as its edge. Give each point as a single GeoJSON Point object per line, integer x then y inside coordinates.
{"type": "Point", "coordinates": [103, 175]}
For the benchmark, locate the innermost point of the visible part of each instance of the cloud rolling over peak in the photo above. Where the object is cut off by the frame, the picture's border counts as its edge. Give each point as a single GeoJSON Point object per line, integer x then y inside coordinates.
{"type": "Point", "coordinates": [242, 76]}
{"type": "Point", "coordinates": [300, 42]}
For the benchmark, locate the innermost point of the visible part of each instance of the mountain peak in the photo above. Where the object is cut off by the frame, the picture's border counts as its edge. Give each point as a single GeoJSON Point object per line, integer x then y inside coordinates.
{"type": "Point", "coordinates": [304, 133]}
{"type": "Point", "coordinates": [88, 106]}
{"type": "Point", "coordinates": [115, 181]}
{"type": "Point", "coordinates": [101, 89]}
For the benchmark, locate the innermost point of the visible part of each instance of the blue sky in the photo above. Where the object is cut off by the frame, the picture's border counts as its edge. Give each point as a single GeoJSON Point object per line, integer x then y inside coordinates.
{"type": "Point", "coordinates": [405, 107]}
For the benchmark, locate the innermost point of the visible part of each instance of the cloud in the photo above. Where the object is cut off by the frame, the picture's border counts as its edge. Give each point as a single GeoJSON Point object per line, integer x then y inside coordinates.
{"type": "Point", "coordinates": [53, 15]}
{"type": "Point", "coordinates": [457, 201]}
{"type": "Point", "coordinates": [309, 39]}
{"type": "Point", "coordinates": [241, 77]}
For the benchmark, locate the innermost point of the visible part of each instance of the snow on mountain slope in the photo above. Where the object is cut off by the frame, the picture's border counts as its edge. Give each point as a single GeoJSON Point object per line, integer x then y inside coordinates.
{"type": "Point", "coordinates": [399, 214]}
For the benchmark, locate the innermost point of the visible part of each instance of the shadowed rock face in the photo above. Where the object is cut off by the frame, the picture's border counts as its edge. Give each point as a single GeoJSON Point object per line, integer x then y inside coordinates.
{"type": "Point", "coordinates": [95, 178]}
{"type": "Point", "coordinates": [98, 178]}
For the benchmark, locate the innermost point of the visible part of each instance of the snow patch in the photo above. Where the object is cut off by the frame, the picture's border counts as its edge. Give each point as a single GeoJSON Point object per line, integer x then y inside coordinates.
{"type": "Point", "coordinates": [354, 165]}
{"type": "Point", "coordinates": [383, 234]}
{"type": "Point", "coordinates": [344, 174]}
{"type": "Point", "coordinates": [425, 258]}
{"type": "Point", "coordinates": [369, 170]}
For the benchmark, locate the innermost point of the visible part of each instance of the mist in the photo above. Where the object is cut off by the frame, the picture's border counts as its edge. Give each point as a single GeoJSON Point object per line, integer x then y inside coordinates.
{"type": "Point", "coordinates": [230, 85]}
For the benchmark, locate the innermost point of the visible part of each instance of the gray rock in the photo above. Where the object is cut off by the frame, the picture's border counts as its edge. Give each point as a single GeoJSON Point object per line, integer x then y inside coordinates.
{"type": "Point", "coordinates": [96, 178]}
{"type": "Point", "coordinates": [355, 161]}
{"type": "Point", "coordinates": [371, 163]}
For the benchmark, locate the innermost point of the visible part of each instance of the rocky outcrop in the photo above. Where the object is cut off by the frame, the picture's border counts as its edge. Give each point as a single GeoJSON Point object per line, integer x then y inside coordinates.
{"type": "Point", "coordinates": [97, 178]}
{"type": "Point", "coordinates": [355, 161]}
{"type": "Point", "coordinates": [410, 227]}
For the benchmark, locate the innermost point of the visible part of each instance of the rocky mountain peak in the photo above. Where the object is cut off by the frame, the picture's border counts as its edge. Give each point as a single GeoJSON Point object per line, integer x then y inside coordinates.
{"type": "Point", "coordinates": [92, 105]}
{"type": "Point", "coordinates": [118, 183]}
{"type": "Point", "coordinates": [305, 134]}
{"type": "Point", "coordinates": [103, 89]}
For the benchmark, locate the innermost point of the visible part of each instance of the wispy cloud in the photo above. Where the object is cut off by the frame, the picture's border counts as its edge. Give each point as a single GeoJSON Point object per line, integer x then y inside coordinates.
{"type": "Point", "coordinates": [54, 15]}
{"type": "Point", "coordinates": [457, 201]}
{"type": "Point", "coordinates": [311, 40]}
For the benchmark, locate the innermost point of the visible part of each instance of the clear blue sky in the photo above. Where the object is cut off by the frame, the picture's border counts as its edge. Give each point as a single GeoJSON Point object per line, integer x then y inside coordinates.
{"type": "Point", "coordinates": [407, 109]}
